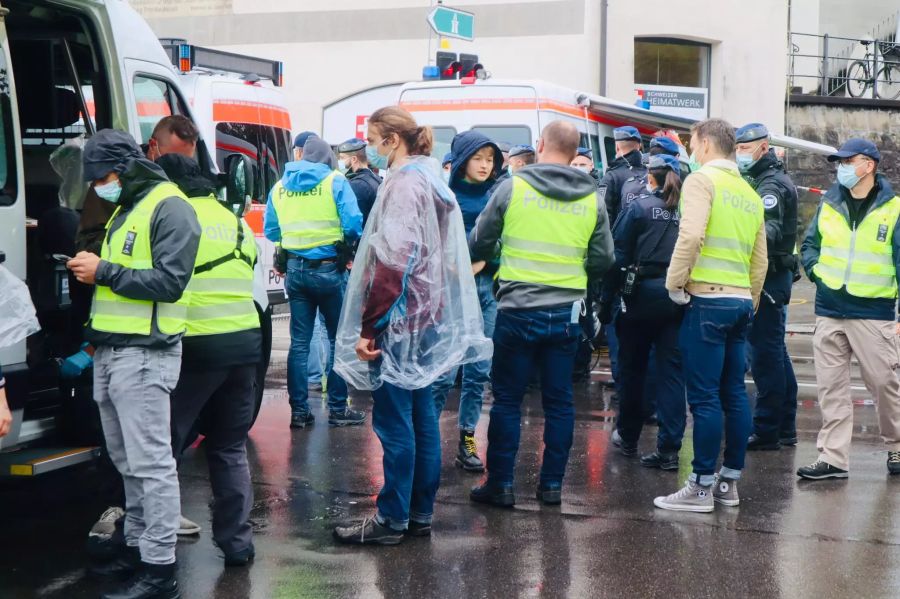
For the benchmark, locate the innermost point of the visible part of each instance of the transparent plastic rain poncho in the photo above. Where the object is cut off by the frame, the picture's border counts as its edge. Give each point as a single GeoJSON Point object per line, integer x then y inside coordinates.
{"type": "Point", "coordinates": [414, 242]}
{"type": "Point", "coordinates": [17, 315]}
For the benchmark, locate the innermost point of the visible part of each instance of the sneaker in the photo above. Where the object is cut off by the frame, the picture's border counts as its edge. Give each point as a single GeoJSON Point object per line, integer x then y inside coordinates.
{"type": "Point", "coordinates": [757, 443]}
{"type": "Point", "coordinates": [629, 451]}
{"type": "Point", "coordinates": [187, 527]}
{"type": "Point", "coordinates": [725, 491]}
{"type": "Point", "coordinates": [493, 494]}
{"type": "Point", "coordinates": [346, 418]}
{"type": "Point", "coordinates": [467, 455]}
{"type": "Point", "coordinates": [691, 498]}
{"type": "Point", "coordinates": [106, 525]}
{"type": "Point", "coordinates": [660, 459]}
{"type": "Point", "coordinates": [616, 438]}
{"type": "Point", "coordinates": [418, 529]}
{"type": "Point", "coordinates": [302, 420]}
{"type": "Point", "coordinates": [893, 462]}
{"type": "Point", "coordinates": [368, 532]}
{"type": "Point", "coordinates": [819, 470]}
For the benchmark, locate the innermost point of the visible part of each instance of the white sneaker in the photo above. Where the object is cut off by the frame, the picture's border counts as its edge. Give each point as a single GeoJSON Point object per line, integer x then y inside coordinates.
{"type": "Point", "coordinates": [106, 525]}
{"type": "Point", "coordinates": [188, 527]}
{"type": "Point", "coordinates": [691, 498]}
{"type": "Point", "coordinates": [725, 491]}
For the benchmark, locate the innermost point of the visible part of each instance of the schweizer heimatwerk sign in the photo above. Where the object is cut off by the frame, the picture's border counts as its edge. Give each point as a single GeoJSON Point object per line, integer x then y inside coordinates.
{"type": "Point", "coordinates": [691, 102]}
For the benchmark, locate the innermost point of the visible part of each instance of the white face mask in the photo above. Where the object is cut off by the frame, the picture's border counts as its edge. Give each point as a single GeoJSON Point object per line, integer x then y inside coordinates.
{"type": "Point", "coordinates": [650, 188]}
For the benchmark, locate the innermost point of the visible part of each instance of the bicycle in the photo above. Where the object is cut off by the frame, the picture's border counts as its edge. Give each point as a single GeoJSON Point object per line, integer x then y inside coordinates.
{"type": "Point", "coordinates": [886, 82]}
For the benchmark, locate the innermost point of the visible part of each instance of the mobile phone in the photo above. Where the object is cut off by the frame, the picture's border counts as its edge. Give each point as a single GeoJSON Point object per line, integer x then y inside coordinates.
{"type": "Point", "coordinates": [61, 258]}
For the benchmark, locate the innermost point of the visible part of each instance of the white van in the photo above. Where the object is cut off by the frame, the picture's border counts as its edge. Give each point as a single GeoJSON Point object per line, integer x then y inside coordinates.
{"type": "Point", "coordinates": [67, 69]}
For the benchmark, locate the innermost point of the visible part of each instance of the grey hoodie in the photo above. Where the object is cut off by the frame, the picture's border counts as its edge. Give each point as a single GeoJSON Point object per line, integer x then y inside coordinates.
{"type": "Point", "coordinates": [562, 183]}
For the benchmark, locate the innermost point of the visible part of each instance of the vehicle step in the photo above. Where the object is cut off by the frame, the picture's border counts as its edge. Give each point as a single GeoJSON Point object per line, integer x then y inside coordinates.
{"type": "Point", "coordinates": [33, 462]}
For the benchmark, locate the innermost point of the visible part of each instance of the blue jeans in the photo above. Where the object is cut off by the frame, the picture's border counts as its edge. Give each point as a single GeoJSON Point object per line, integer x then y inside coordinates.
{"type": "Point", "coordinates": [475, 375]}
{"type": "Point", "coordinates": [776, 385]}
{"type": "Point", "coordinates": [712, 341]}
{"type": "Point", "coordinates": [407, 425]}
{"type": "Point", "coordinates": [527, 341]}
{"type": "Point", "coordinates": [319, 349]}
{"type": "Point", "coordinates": [311, 289]}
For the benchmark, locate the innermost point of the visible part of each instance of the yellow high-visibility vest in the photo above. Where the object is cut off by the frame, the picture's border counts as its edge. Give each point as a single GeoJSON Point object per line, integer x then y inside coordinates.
{"type": "Point", "coordinates": [308, 219]}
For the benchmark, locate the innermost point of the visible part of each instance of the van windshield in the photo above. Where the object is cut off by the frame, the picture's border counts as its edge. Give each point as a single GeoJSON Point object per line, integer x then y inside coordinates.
{"type": "Point", "coordinates": [8, 179]}
{"type": "Point", "coordinates": [514, 135]}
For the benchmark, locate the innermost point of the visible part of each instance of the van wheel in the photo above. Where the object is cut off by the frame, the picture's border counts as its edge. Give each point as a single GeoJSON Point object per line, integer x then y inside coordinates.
{"type": "Point", "coordinates": [265, 325]}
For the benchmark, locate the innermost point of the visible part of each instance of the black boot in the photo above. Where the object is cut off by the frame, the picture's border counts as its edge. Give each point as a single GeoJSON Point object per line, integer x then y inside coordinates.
{"type": "Point", "coordinates": [501, 495]}
{"type": "Point", "coordinates": [122, 567]}
{"type": "Point", "coordinates": [152, 582]}
{"type": "Point", "coordinates": [467, 455]}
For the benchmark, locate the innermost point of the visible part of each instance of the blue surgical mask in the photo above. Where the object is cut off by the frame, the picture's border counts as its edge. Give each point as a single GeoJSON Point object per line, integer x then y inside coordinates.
{"type": "Point", "coordinates": [846, 175]}
{"type": "Point", "coordinates": [692, 162]}
{"type": "Point", "coordinates": [446, 176]}
{"type": "Point", "coordinates": [745, 162]}
{"type": "Point", "coordinates": [343, 166]}
{"type": "Point", "coordinates": [375, 159]}
{"type": "Point", "coordinates": [109, 191]}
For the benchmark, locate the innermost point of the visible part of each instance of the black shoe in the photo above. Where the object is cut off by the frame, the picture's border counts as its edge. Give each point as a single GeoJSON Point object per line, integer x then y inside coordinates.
{"type": "Point", "coordinates": [757, 443]}
{"type": "Point", "coordinates": [368, 532]}
{"type": "Point", "coordinates": [418, 529]}
{"type": "Point", "coordinates": [153, 582]}
{"type": "Point", "coordinates": [788, 441]}
{"type": "Point", "coordinates": [893, 462]}
{"type": "Point", "coordinates": [549, 494]}
{"type": "Point", "coordinates": [302, 420]}
{"type": "Point", "coordinates": [626, 449]}
{"type": "Point", "coordinates": [819, 470]}
{"type": "Point", "coordinates": [493, 494]}
{"type": "Point", "coordinates": [346, 418]}
{"type": "Point", "coordinates": [241, 558]}
{"type": "Point", "coordinates": [660, 459]}
{"type": "Point", "coordinates": [467, 454]}
{"type": "Point", "coordinates": [122, 567]}
{"type": "Point", "coordinates": [651, 420]}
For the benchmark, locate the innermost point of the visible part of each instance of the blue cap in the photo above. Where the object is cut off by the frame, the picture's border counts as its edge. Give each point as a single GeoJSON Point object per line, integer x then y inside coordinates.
{"type": "Point", "coordinates": [667, 145]}
{"type": "Point", "coordinates": [448, 157]}
{"type": "Point", "coordinates": [626, 133]}
{"type": "Point", "coordinates": [855, 146]}
{"type": "Point", "coordinates": [664, 161]}
{"type": "Point", "coordinates": [586, 152]}
{"type": "Point", "coordinates": [751, 132]}
{"type": "Point", "coordinates": [301, 139]}
{"type": "Point", "coordinates": [518, 150]}
{"type": "Point", "coordinates": [354, 144]}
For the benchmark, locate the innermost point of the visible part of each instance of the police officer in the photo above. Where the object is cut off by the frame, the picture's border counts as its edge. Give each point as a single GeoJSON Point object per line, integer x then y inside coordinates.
{"type": "Point", "coordinates": [310, 210]}
{"type": "Point", "coordinates": [353, 163]}
{"type": "Point", "coordinates": [520, 156]}
{"type": "Point", "coordinates": [644, 237]}
{"type": "Point", "coordinates": [624, 179]}
{"type": "Point", "coordinates": [718, 268]}
{"type": "Point", "coordinates": [222, 347]}
{"type": "Point", "coordinates": [584, 160]}
{"type": "Point", "coordinates": [300, 143]}
{"type": "Point", "coordinates": [555, 235]}
{"type": "Point", "coordinates": [776, 386]}
{"type": "Point", "coordinates": [136, 325]}
{"type": "Point", "coordinates": [665, 145]}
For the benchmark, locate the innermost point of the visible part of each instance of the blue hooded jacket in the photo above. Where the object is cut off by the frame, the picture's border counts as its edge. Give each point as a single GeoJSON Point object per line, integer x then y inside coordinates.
{"type": "Point", "coordinates": [303, 175]}
{"type": "Point", "coordinates": [471, 197]}
{"type": "Point", "coordinates": [838, 303]}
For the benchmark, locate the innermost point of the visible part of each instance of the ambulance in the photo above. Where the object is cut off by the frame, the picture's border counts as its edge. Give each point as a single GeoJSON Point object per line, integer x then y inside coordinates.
{"type": "Point", "coordinates": [67, 69]}
{"type": "Point", "coordinates": [239, 108]}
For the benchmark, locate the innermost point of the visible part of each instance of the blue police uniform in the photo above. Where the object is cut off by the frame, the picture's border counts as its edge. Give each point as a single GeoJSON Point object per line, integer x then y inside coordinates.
{"type": "Point", "coordinates": [645, 236]}
{"type": "Point", "coordinates": [776, 385]}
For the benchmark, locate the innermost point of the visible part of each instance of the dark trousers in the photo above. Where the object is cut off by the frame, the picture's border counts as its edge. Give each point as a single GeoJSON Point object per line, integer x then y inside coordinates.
{"type": "Point", "coordinates": [542, 341]}
{"type": "Point", "coordinates": [776, 386]}
{"type": "Point", "coordinates": [223, 401]}
{"type": "Point", "coordinates": [636, 336]}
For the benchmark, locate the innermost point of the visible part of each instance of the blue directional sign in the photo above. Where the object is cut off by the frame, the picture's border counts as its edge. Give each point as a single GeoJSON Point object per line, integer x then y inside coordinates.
{"type": "Point", "coordinates": [452, 22]}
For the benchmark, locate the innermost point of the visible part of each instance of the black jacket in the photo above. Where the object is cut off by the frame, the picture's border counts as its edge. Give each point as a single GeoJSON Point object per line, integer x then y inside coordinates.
{"type": "Point", "coordinates": [779, 197]}
{"type": "Point", "coordinates": [364, 184]}
{"type": "Point", "coordinates": [623, 175]}
{"type": "Point", "coordinates": [174, 238]}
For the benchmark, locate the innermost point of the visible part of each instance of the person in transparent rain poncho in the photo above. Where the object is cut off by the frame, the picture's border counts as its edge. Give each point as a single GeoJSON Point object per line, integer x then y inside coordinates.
{"type": "Point", "coordinates": [411, 313]}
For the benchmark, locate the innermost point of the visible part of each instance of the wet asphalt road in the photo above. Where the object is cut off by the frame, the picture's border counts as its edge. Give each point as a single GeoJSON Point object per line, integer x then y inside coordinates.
{"type": "Point", "coordinates": [787, 539]}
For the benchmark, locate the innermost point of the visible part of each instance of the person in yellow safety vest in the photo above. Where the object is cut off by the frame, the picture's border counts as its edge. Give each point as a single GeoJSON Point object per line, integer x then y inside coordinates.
{"type": "Point", "coordinates": [554, 230]}
{"type": "Point", "coordinates": [852, 253]}
{"type": "Point", "coordinates": [222, 350]}
{"type": "Point", "coordinates": [717, 271]}
{"type": "Point", "coordinates": [137, 321]}
{"type": "Point", "coordinates": [309, 212]}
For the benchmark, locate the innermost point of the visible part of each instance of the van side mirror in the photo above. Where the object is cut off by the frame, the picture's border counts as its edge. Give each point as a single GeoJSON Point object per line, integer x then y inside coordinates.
{"type": "Point", "coordinates": [239, 182]}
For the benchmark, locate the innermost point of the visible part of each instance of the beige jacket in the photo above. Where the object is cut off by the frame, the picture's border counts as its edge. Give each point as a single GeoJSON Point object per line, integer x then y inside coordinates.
{"type": "Point", "coordinates": [696, 203]}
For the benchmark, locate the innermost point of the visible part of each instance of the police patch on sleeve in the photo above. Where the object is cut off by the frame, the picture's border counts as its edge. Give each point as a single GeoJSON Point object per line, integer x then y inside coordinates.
{"type": "Point", "coordinates": [770, 201]}
{"type": "Point", "coordinates": [601, 191]}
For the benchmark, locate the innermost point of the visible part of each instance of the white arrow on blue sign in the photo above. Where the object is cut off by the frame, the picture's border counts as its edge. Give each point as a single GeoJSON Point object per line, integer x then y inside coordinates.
{"type": "Point", "coordinates": [452, 22]}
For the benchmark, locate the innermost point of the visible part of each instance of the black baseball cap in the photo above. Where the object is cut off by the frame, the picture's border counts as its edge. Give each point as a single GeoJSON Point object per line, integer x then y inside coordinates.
{"type": "Point", "coordinates": [855, 146]}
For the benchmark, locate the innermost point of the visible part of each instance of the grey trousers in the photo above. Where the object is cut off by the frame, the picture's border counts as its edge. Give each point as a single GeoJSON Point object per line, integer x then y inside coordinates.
{"type": "Point", "coordinates": [132, 387]}
{"type": "Point", "coordinates": [223, 401]}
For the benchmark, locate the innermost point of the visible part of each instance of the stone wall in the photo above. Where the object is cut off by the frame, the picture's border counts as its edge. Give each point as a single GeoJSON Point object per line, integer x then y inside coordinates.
{"type": "Point", "coordinates": [832, 125]}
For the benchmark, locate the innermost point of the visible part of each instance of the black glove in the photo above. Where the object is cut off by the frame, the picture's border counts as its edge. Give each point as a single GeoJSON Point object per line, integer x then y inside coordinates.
{"type": "Point", "coordinates": [605, 312]}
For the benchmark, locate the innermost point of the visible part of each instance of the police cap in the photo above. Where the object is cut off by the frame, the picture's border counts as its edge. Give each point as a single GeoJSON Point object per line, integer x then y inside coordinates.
{"type": "Point", "coordinates": [586, 152]}
{"type": "Point", "coordinates": [666, 145]}
{"type": "Point", "coordinates": [519, 150]}
{"type": "Point", "coordinates": [351, 145]}
{"type": "Point", "coordinates": [626, 133]}
{"type": "Point", "coordinates": [448, 158]}
{"type": "Point", "coordinates": [301, 139]}
{"type": "Point", "coordinates": [751, 132]}
{"type": "Point", "coordinates": [664, 161]}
